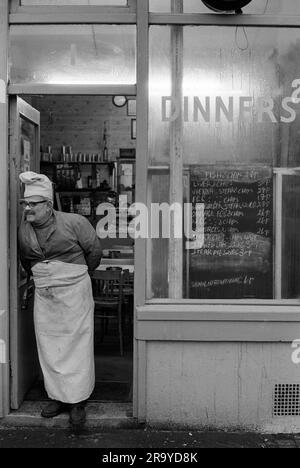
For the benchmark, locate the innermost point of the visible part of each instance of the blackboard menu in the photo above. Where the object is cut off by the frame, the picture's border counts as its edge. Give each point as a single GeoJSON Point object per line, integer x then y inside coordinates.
{"type": "Point", "coordinates": [235, 261]}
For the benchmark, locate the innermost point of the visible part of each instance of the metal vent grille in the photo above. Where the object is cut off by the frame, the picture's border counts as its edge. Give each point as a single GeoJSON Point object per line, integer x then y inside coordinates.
{"type": "Point", "coordinates": [286, 400]}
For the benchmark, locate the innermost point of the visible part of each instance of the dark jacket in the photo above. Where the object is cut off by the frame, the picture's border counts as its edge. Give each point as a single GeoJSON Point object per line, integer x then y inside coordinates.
{"type": "Point", "coordinates": [71, 239]}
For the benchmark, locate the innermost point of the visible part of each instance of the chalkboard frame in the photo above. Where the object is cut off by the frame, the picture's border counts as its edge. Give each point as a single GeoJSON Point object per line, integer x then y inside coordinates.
{"type": "Point", "coordinates": [267, 172]}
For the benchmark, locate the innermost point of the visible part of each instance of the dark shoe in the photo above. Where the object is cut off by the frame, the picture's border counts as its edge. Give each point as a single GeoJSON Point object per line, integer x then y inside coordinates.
{"type": "Point", "coordinates": [77, 414]}
{"type": "Point", "coordinates": [54, 408]}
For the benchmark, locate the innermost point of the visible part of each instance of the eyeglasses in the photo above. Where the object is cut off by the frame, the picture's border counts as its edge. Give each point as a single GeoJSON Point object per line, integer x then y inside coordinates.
{"type": "Point", "coordinates": [31, 204]}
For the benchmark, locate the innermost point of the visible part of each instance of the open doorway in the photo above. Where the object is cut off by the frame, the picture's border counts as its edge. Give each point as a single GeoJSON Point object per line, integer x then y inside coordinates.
{"type": "Point", "coordinates": [87, 148]}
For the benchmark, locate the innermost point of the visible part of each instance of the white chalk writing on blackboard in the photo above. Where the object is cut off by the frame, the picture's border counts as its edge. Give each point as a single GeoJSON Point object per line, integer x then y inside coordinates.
{"type": "Point", "coordinates": [238, 223]}
{"type": "Point", "coordinates": [240, 280]}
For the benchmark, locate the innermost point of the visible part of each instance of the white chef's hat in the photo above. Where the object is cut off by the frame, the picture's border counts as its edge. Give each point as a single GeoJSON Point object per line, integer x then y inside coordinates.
{"type": "Point", "coordinates": [37, 185]}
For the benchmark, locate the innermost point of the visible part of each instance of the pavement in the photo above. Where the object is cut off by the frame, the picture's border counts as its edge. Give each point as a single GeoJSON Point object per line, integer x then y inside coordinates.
{"type": "Point", "coordinates": [111, 425]}
{"type": "Point", "coordinates": [45, 437]}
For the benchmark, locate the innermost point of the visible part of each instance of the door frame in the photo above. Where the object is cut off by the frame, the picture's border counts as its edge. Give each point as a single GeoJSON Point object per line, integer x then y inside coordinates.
{"type": "Point", "coordinates": [27, 110]}
{"type": "Point", "coordinates": [4, 252]}
{"type": "Point", "coordinates": [141, 19]}
{"type": "Point", "coordinates": [18, 109]}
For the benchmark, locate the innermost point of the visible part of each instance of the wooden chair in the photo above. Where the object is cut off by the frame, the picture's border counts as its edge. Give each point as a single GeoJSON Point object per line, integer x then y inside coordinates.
{"type": "Point", "coordinates": [128, 284]}
{"type": "Point", "coordinates": [109, 299]}
{"type": "Point", "coordinates": [128, 297]}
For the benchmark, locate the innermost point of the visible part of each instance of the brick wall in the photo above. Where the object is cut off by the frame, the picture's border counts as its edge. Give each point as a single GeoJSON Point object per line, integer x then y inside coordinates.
{"type": "Point", "coordinates": [78, 121]}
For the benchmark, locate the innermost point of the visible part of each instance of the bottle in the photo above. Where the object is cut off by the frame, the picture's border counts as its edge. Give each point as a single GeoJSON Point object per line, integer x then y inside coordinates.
{"type": "Point", "coordinates": [71, 206]}
{"type": "Point", "coordinates": [105, 154]}
{"type": "Point", "coordinates": [98, 177]}
{"type": "Point", "coordinates": [63, 153]}
{"type": "Point", "coordinates": [105, 149]}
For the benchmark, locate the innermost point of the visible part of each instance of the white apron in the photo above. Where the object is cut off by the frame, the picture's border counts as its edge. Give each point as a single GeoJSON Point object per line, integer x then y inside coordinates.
{"type": "Point", "coordinates": [64, 327]}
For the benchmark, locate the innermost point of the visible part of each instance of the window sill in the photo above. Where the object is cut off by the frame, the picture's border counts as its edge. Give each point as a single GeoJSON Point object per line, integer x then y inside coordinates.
{"type": "Point", "coordinates": [187, 322]}
{"type": "Point", "coordinates": [244, 311]}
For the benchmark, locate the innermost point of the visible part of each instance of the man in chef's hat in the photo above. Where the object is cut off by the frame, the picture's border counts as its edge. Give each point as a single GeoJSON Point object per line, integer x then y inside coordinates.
{"type": "Point", "coordinates": [59, 249]}
{"type": "Point", "coordinates": [38, 196]}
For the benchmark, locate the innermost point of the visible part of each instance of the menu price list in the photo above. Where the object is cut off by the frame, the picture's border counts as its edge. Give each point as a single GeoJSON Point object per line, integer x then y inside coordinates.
{"type": "Point", "coordinates": [236, 258]}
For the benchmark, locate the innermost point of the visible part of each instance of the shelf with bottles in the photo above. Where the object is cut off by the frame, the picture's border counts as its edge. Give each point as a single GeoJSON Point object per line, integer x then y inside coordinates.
{"type": "Point", "coordinates": [82, 190]}
{"type": "Point", "coordinates": [126, 179]}
{"type": "Point", "coordinates": [82, 205]}
{"type": "Point", "coordinates": [67, 163]}
{"type": "Point", "coordinates": [83, 202]}
{"type": "Point", "coordinates": [65, 155]}
{"type": "Point", "coordinates": [81, 176]}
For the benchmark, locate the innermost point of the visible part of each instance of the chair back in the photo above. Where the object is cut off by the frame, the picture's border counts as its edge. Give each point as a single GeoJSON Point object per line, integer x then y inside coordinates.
{"type": "Point", "coordinates": [108, 285]}
{"type": "Point", "coordinates": [128, 282]}
{"type": "Point", "coordinates": [108, 298]}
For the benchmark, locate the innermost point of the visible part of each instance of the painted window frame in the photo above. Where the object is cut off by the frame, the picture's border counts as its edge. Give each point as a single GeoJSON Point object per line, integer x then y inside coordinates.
{"type": "Point", "coordinates": [183, 19]}
{"type": "Point", "coordinates": [17, 8]}
{"type": "Point", "coordinates": [73, 14]}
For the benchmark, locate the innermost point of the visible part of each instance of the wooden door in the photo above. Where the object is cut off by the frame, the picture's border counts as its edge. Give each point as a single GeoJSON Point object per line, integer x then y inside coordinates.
{"type": "Point", "coordinates": [24, 156]}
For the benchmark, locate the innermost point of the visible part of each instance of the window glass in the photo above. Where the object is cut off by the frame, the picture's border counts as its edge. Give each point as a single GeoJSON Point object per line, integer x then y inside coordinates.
{"type": "Point", "coordinates": [157, 6]}
{"type": "Point", "coordinates": [73, 54]}
{"type": "Point", "coordinates": [159, 85]}
{"type": "Point", "coordinates": [224, 117]}
{"type": "Point", "coordinates": [73, 2]}
{"type": "Point", "coordinates": [272, 7]}
{"type": "Point", "coordinates": [290, 258]}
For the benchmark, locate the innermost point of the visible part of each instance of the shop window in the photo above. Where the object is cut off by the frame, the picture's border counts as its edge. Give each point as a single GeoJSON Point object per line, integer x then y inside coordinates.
{"type": "Point", "coordinates": [224, 134]}
{"type": "Point", "coordinates": [289, 262]}
{"type": "Point", "coordinates": [258, 7]}
{"type": "Point", "coordinates": [73, 54]}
